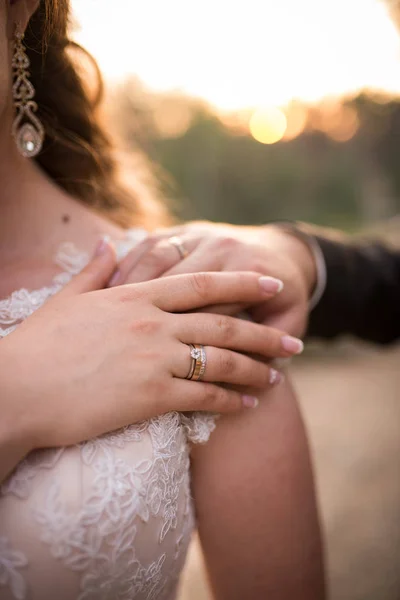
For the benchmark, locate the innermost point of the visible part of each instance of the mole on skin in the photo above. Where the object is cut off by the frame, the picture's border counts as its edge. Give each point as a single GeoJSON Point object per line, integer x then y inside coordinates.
{"type": "Point", "coordinates": [66, 219]}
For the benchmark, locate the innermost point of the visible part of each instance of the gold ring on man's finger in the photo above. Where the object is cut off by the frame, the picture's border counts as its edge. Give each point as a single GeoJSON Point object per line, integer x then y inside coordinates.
{"type": "Point", "coordinates": [178, 243]}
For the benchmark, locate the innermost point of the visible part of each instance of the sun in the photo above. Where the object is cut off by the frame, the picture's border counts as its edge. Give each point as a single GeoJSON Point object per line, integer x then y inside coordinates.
{"type": "Point", "coordinates": [268, 125]}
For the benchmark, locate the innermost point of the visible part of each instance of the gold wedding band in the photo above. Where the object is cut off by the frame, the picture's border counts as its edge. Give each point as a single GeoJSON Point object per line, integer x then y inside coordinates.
{"type": "Point", "coordinates": [177, 242]}
{"type": "Point", "coordinates": [199, 362]}
{"type": "Point", "coordinates": [193, 362]}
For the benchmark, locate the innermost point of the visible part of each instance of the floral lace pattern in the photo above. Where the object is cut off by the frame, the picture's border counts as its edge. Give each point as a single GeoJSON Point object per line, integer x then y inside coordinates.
{"type": "Point", "coordinates": [108, 519]}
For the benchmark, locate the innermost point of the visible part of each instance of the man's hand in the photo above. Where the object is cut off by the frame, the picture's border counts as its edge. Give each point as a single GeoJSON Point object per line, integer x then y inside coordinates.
{"type": "Point", "coordinates": [218, 247]}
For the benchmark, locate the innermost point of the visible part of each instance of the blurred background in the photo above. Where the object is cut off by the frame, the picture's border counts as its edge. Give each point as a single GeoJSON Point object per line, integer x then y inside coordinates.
{"type": "Point", "coordinates": [262, 110]}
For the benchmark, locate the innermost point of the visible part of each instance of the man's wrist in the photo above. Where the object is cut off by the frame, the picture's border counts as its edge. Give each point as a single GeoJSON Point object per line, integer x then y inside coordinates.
{"type": "Point", "coordinates": [309, 256]}
{"type": "Point", "coordinates": [300, 251]}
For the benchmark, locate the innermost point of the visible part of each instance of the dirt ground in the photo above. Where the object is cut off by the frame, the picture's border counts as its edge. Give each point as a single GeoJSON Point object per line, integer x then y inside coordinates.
{"type": "Point", "coordinates": [351, 405]}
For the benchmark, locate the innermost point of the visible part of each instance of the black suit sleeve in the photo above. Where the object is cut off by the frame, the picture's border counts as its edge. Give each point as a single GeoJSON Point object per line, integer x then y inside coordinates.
{"type": "Point", "coordinates": [362, 296]}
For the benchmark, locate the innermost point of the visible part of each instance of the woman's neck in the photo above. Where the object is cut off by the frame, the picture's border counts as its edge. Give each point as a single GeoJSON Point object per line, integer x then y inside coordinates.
{"type": "Point", "coordinates": [29, 205]}
{"type": "Point", "coordinates": [36, 216]}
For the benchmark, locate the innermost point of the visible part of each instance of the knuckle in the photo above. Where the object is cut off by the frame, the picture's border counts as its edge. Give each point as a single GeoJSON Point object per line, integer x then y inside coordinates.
{"type": "Point", "coordinates": [227, 244]}
{"type": "Point", "coordinates": [228, 363]}
{"type": "Point", "coordinates": [209, 395]}
{"type": "Point", "coordinates": [197, 402]}
{"type": "Point", "coordinates": [225, 327]}
{"type": "Point", "coordinates": [220, 396]}
{"type": "Point", "coordinates": [227, 400]}
{"type": "Point", "coordinates": [145, 326]}
{"type": "Point", "coordinates": [201, 283]}
{"type": "Point", "coordinates": [219, 399]}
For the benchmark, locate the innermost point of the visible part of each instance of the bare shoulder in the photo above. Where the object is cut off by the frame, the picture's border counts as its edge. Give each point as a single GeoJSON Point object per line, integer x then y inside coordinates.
{"type": "Point", "coordinates": [256, 506]}
{"type": "Point", "coordinates": [275, 427]}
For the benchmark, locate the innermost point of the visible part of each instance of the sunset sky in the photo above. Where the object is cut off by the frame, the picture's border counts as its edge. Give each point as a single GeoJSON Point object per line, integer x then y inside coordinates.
{"type": "Point", "coordinates": [244, 52]}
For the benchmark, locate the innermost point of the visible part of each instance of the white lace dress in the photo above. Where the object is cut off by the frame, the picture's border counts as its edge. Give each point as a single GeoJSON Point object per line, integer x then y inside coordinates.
{"type": "Point", "coordinates": [108, 519]}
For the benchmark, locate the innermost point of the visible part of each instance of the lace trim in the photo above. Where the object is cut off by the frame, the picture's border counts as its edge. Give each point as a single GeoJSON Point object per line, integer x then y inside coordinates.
{"type": "Point", "coordinates": [22, 303]}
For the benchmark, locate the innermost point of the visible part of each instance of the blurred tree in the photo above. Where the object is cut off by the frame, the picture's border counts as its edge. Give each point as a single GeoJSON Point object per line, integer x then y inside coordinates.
{"type": "Point", "coordinates": [221, 173]}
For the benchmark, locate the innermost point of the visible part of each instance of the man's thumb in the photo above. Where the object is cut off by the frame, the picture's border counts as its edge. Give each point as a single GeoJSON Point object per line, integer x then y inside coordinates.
{"type": "Point", "coordinates": [97, 272]}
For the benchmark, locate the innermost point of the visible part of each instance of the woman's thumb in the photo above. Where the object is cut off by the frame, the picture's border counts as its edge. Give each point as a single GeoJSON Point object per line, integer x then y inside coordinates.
{"type": "Point", "coordinates": [97, 272]}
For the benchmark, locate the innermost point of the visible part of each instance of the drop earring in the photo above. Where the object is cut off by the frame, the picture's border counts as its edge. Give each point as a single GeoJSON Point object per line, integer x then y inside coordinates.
{"type": "Point", "coordinates": [27, 129]}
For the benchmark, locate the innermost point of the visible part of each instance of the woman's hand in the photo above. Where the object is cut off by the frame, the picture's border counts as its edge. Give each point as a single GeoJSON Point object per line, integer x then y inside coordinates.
{"type": "Point", "coordinates": [88, 363]}
{"type": "Point", "coordinates": [218, 247]}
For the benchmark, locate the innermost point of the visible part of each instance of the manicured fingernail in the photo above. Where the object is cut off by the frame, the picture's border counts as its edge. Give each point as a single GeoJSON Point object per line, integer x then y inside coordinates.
{"type": "Point", "coordinates": [115, 278]}
{"type": "Point", "coordinates": [292, 344]}
{"type": "Point", "coordinates": [250, 402]}
{"type": "Point", "coordinates": [271, 285]}
{"type": "Point", "coordinates": [275, 377]}
{"type": "Point", "coordinates": [102, 245]}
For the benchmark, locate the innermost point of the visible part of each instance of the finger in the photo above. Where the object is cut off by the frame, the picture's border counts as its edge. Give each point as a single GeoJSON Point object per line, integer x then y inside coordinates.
{"type": "Point", "coordinates": [155, 262]}
{"type": "Point", "coordinates": [294, 321]}
{"type": "Point", "coordinates": [225, 366]}
{"type": "Point", "coordinates": [131, 259]}
{"type": "Point", "coordinates": [232, 310]}
{"type": "Point", "coordinates": [236, 334]}
{"type": "Point", "coordinates": [201, 396]}
{"type": "Point", "coordinates": [96, 274]}
{"type": "Point", "coordinates": [150, 260]}
{"type": "Point", "coordinates": [199, 260]}
{"type": "Point", "coordinates": [188, 292]}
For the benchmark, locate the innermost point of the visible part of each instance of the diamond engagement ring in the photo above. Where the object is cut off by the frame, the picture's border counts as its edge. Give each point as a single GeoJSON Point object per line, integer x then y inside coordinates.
{"type": "Point", "coordinates": [177, 242]}
{"type": "Point", "coordinates": [199, 362]}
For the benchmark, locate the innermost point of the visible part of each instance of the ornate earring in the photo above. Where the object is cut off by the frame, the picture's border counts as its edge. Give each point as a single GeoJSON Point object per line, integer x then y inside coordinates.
{"type": "Point", "coordinates": [27, 129]}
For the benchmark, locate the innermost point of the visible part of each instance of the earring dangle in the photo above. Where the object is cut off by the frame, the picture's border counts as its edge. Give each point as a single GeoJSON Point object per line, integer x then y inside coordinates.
{"type": "Point", "coordinates": [27, 129]}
